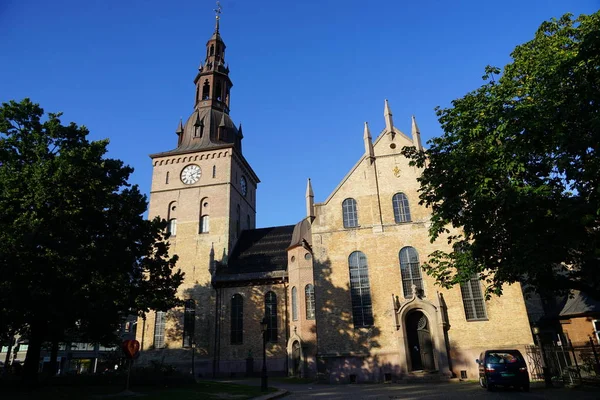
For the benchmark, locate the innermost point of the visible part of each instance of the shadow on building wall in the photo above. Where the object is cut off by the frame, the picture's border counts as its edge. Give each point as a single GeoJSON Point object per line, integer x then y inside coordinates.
{"type": "Point", "coordinates": [346, 352]}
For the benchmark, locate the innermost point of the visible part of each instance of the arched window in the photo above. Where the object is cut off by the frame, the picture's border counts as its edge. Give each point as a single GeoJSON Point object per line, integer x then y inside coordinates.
{"type": "Point", "coordinates": [237, 319]}
{"type": "Point", "coordinates": [189, 322]}
{"type": "Point", "coordinates": [218, 91]}
{"type": "Point", "coordinates": [349, 213]}
{"type": "Point", "coordinates": [401, 208]}
{"type": "Point", "coordinates": [309, 295]}
{"type": "Point", "coordinates": [271, 316]}
{"type": "Point", "coordinates": [473, 300]}
{"type": "Point", "coordinates": [410, 270]}
{"type": "Point", "coordinates": [360, 290]}
{"type": "Point", "coordinates": [212, 49]}
{"type": "Point", "coordinates": [248, 221]}
{"type": "Point", "coordinates": [199, 129]}
{"type": "Point", "coordinates": [159, 330]}
{"type": "Point", "coordinates": [294, 304]}
{"type": "Point", "coordinates": [205, 90]}
{"type": "Point", "coordinates": [172, 227]}
{"type": "Point", "coordinates": [204, 224]}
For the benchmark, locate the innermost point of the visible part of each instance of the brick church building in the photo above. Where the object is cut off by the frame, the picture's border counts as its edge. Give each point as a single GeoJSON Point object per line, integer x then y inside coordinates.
{"type": "Point", "coordinates": [342, 291]}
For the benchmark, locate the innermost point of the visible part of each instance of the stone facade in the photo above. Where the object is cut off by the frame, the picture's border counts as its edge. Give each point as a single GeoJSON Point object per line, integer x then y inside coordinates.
{"type": "Point", "coordinates": [345, 312]}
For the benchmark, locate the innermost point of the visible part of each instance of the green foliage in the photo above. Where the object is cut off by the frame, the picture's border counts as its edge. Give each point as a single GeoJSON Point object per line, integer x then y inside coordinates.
{"type": "Point", "coordinates": [517, 170]}
{"type": "Point", "coordinates": [76, 254]}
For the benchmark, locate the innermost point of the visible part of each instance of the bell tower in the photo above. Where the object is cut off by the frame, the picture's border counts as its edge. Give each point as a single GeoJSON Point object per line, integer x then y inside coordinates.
{"type": "Point", "coordinates": [206, 189]}
{"type": "Point", "coordinates": [212, 82]}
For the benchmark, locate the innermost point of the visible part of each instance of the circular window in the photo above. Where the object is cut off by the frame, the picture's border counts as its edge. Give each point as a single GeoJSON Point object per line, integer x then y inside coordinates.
{"type": "Point", "coordinates": [307, 256]}
{"type": "Point", "coordinates": [293, 259]}
{"type": "Point", "coordinates": [205, 205]}
{"type": "Point", "coordinates": [393, 146]}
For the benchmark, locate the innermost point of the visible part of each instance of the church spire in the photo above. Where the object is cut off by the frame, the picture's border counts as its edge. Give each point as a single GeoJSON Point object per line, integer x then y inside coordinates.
{"type": "Point", "coordinates": [212, 82]}
{"type": "Point", "coordinates": [310, 200]}
{"type": "Point", "coordinates": [368, 142]}
{"type": "Point", "coordinates": [416, 134]}
{"type": "Point", "coordinates": [217, 16]}
{"type": "Point", "coordinates": [209, 124]}
{"type": "Point", "coordinates": [389, 123]}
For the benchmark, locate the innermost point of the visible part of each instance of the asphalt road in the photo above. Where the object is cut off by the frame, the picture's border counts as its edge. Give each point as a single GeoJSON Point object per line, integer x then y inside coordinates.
{"type": "Point", "coordinates": [458, 390]}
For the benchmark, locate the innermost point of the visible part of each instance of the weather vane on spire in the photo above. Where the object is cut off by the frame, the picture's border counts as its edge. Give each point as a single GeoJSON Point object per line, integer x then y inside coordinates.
{"type": "Point", "coordinates": [218, 9]}
{"type": "Point", "coordinates": [217, 13]}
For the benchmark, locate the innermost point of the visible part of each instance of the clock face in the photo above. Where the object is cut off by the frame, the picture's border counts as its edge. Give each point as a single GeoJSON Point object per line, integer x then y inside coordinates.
{"type": "Point", "coordinates": [244, 185]}
{"type": "Point", "coordinates": [190, 174]}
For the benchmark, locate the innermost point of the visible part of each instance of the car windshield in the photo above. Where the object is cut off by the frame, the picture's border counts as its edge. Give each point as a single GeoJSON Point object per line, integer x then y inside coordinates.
{"type": "Point", "coordinates": [502, 358]}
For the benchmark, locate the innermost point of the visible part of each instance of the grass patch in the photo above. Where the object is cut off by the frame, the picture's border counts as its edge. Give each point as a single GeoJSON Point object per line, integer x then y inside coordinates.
{"type": "Point", "coordinates": [188, 391]}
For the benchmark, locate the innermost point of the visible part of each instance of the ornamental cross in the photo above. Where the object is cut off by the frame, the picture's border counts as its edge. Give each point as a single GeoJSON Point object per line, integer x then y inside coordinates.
{"type": "Point", "coordinates": [218, 9]}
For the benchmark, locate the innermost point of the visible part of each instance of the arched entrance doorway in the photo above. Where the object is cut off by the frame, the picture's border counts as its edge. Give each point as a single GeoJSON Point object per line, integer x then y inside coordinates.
{"type": "Point", "coordinates": [420, 346]}
{"type": "Point", "coordinates": [296, 359]}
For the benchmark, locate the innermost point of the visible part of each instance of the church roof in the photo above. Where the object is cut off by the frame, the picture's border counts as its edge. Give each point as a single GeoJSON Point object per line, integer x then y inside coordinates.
{"type": "Point", "coordinates": [260, 250]}
{"type": "Point", "coordinates": [301, 235]}
{"type": "Point", "coordinates": [580, 304]}
{"type": "Point", "coordinates": [208, 120]}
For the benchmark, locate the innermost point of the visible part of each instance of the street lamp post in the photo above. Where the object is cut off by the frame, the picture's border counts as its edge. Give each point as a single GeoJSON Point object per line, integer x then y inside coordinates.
{"type": "Point", "coordinates": [545, 369]}
{"type": "Point", "coordinates": [263, 376]}
{"type": "Point", "coordinates": [193, 363]}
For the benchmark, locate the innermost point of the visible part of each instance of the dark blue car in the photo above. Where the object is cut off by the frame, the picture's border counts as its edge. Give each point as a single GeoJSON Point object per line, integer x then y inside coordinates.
{"type": "Point", "coordinates": [503, 367]}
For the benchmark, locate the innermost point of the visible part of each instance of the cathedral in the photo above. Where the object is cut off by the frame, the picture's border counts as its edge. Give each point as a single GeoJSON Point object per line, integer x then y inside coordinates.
{"type": "Point", "coordinates": [341, 295]}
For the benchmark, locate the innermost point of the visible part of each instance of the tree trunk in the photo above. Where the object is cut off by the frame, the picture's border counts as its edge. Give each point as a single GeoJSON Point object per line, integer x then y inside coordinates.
{"type": "Point", "coordinates": [53, 354]}
{"type": "Point", "coordinates": [32, 359]}
{"type": "Point", "coordinates": [11, 340]}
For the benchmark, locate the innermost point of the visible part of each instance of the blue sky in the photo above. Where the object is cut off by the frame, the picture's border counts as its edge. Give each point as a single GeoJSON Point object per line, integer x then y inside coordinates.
{"type": "Point", "coordinates": [306, 74]}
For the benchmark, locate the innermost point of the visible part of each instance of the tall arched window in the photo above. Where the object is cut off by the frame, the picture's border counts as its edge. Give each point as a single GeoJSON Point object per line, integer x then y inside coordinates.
{"type": "Point", "coordinates": [309, 295]}
{"type": "Point", "coordinates": [189, 322]}
{"type": "Point", "coordinates": [159, 330]}
{"type": "Point", "coordinates": [172, 227]}
{"type": "Point", "coordinates": [237, 319]}
{"type": "Point", "coordinates": [271, 316]}
{"type": "Point", "coordinates": [349, 213]}
{"type": "Point", "coordinates": [204, 224]}
{"type": "Point", "coordinates": [294, 304]}
{"type": "Point", "coordinates": [401, 208]}
{"type": "Point", "coordinates": [248, 221]}
{"type": "Point", "coordinates": [360, 290]}
{"type": "Point", "coordinates": [410, 270]}
{"type": "Point", "coordinates": [214, 171]}
{"type": "Point", "coordinates": [172, 218]}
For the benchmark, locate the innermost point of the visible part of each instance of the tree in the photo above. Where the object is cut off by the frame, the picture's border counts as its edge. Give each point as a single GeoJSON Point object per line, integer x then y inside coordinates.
{"type": "Point", "coordinates": [76, 254]}
{"type": "Point", "coordinates": [513, 183]}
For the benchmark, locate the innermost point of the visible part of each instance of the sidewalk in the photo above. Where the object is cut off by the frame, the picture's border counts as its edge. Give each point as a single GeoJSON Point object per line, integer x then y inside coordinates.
{"type": "Point", "coordinates": [283, 388]}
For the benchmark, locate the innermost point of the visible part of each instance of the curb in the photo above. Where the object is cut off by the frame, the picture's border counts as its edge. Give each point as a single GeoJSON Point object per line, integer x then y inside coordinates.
{"type": "Point", "coordinates": [276, 395]}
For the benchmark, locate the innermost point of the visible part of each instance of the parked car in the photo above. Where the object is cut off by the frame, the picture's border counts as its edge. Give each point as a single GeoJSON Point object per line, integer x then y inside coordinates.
{"type": "Point", "coordinates": [502, 367]}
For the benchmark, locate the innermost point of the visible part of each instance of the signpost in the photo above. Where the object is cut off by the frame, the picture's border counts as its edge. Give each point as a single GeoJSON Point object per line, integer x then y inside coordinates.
{"type": "Point", "coordinates": [131, 348]}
